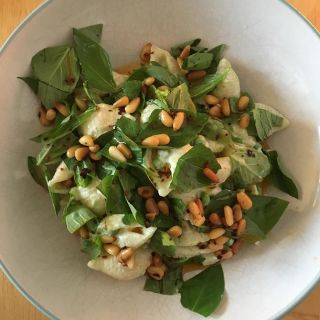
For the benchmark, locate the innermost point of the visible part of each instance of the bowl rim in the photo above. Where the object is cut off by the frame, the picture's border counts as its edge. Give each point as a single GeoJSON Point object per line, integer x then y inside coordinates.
{"type": "Point", "coordinates": [285, 310]}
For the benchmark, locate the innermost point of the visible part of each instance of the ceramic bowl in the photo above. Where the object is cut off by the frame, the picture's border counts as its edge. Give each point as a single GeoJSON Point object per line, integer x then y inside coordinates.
{"type": "Point", "coordinates": [276, 54]}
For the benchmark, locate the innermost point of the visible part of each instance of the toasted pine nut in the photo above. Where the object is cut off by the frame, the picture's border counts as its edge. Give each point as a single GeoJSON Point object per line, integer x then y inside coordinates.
{"type": "Point", "coordinates": [178, 121]}
{"type": "Point", "coordinates": [125, 150]}
{"type": "Point", "coordinates": [116, 154]}
{"type": "Point", "coordinates": [151, 216]}
{"type": "Point", "coordinates": [163, 138]}
{"type": "Point", "coordinates": [215, 219]}
{"type": "Point", "coordinates": [151, 206]}
{"type": "Point", "coordinates": [210, 174]}
{"type": "Point", "coordinates": [84, 233]}
{"type": "Point", "coordinates": [80, 103]}
{"type": "Point", "coordinates": [156, 259]}
{"type": "Point", "coordinates": [175, 231]}
{"type": "Point", "coordinates": [163, 88]}
{"type": "Point", "coordinates": [215, 112]}
{"type": "Point", "coordinates": [234, 226]}
{"type": "Point", "coordinates": [244, 200]}
{"type": "Point", "coordinates": [215, 247]}
{"type": "Point", "coordinates": [225, 107]}
{"type": "Point", "coordinates": [42, 117]}
{"type": "Point", "coordinates": [130, 262]}
{"type": "Point", "coordinates": [124, 255]}
{"type": "Point", "coordinates": [86, 141]}
{"type": "Point", "coordinates": [244, 121]}
{"type": "Point", "coordinates": [51, 114]}
{"type": "Point", "coordinates": [152, 141]}
{"type": "Point", "coordinates": [243, 103]}
{"type": "Point", "coordinates": [198, 221]}
{"type": "Point", "coordinates": [180, 62]}
{"type": "Point", "coordinates": [146, 192]}
{"type": "Point", "coordinates": [227, 255]}
{"type": "Point", "coordinates": [133, 105]}
{"type": "Point", "coordinates": [216, 233]}
{"type": "Point", "coordinates": [107, 239]}
{"type": "Point", "coordinates": [155, 272]}
{"type": "Point", "coordinates": [68, 183]}
{"type": "Point", "coordinates": [194, 209]}
{"type": "Point", "coordinates": [94, 156]}
{"type": "Point", "coordinates": [222, 240]}
{"type": "Point", "coordinates": [122, 102]}
{"type": "Point", "coordinates": [200, 205]}
{"type": "Point", "coordinates": [145, 53]}
{"type": "Point", "coordinates": [71, 151]}
{"type": "Point", "coordinates": [237, 212]}
{"type": "Point", "coordinates": [166, 119]}
{"type": "Point", "coordinates": [236, 246]}
{"type": "Point", "coordinates": [211, 100]}
{"type": "Point", "coordinates": [163, 207]}
{"type": "Point", "coordinates": [149, 81]}
{"type": "Point", "coordinates": [63, 109]}
{"type": "Point", "coordinates": [241, 227]}
{"type": "Point", "coordinates": [95, 148]}
{"type": "Point", "coordinates": [196, 75]}
{"type": "Point", "coordinates": [81, 153]}
{"type": "Point", "coordinates": [112, 249]}
{"type": "Point", "coordinates": [228, 215]}
{"type": "Point", "coordinates": [185, 52]}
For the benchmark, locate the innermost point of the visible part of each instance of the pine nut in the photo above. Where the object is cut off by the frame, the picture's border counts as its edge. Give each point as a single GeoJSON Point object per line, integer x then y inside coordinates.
{"type": "Point", "coordinates": [112, 249]}
{"type": "Point", "coordinates": [137, 230]}
{"type": "Point", "coordinates": [244, 121]}
{"type": "Point", "coordinates": [163, 207]}
{"type": "Point", "coordinates": [145, 53]}
{"type": "Point", "coordinates": [211, 100]}
{"type": "Point", "coordinates": [81, 153]}
{"type": "Point", "coordinates": [80, 103]}
{"type": "Point", "coordinates": [51, 114]}
{"type": "Point", "coordinates": [236, 246]}
{"type": "Point", "coordinates": [228, 215]}
{"type": "Point", "coordinates": [130, 262]}
{"type": "Point", "coordinates": [200, 205]}
{"type": "Point", "coordinates": [86, 141]}
{"type": "Point", "coordinates": [125, 150]}
{"type": "Point", "coordinates": [133, 105]}
{"type": "Point", "coordinates": [227, 255]}
{"type": "Point", "coordinates": [63, 109]}
{"type": "Point", "coordinates": [198, 221]}
{"type": "Point", "coordinates": [215, 219]}
{"type": "Point", "coordinates": [151, 216]}
{"type": "Point", "coordinates": [166, 119]}
{"type": "Point", "coordinates": [216, 233]}
{"type": "Point", "coordinates": [234, 226]}
{"type": "Point", "coordinates": [107, 239]}
{"type": "Point", "coordinates": [163, 88]}
{"type": "Point", "coordinates": [241, 227]}
{"type": "Point", "coordinates": [116, 154]}
{"type": "Point", "coordinates": [122, 102]}
{"type": "Point", "coordinates": [196, 75]}
{"type": "Point", "coordinates": [222, 240]}
{"type": "Point", "coordinates": [95, 148]}
{"type": "Point", "coordinates": [225, 107]}
{"type": "Point", "coordinates": [71, 151]}
{"type": "Point", "coordinates": [180, 62]}
{"type": "Point", "coordinates": [84, 233]}
{"type": "Point", "coordinates": [151, 206]}
{"type": "Point", "coordinates": [43, 119]}
{"type": "Point", "coordinates": [194, 209]}
{"type": "Point", "coordinates": [243, 103]}
{"type": "Point", "coordinates": [94, 156]}
{"type": "Point", "coordinates": [185, 52]}
{"type": "Point", "coordinates": [237, 212]}
{"type": "Point", "coordinates": [156, 259]}
{"type": "Point", "coordinates": [152, 141]}
{"type": "Point", "coordinates": [124, 255]}
{"type": "Point", "coordinates": [155, 272]}
{"type": "Point", "coordinates": [215, 247]}
{"type": "Point", "coordinates": [146, 192]}
{"type": "Point", "coordinates": [175, 232]}
{"type": "Point", "coordinates": [210, 174]}
{"type": "Point", "coordinates": [163, 138]}
{"type": "Point", "coordinates": [149, 81]}
{"type": "Point", "coordinates": [178, 121]}
{"type": "Point", "coordinates": [68, 183]}
{"type": "Point", "coordinates": [244, 200]}
{"type": "Point", "coordinates": [215, 112]}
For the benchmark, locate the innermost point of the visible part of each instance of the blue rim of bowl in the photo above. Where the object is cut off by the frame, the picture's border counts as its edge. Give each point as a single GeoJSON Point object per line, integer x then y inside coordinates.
{"type": "Point", "coordinates": [47, 313]}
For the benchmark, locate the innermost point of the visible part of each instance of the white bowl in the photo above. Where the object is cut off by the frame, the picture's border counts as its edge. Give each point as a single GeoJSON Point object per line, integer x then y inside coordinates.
{"type": "Point", "coordinates": [276, 55]}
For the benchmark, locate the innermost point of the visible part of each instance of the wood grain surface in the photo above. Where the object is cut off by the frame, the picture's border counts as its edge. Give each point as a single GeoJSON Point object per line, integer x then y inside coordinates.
{"type": "Point", "coordinates": [13, 306]}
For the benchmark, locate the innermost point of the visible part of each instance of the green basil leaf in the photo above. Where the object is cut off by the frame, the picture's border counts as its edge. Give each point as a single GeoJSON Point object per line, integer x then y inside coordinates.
{"type": "Point", "coordinates": [83, 172]}
{"type": "Point", "coordinates": [178, 208]}
{"type": "Point", "coordinates": [176, 50]}
{"type": "Point", "coordinates": [162, 221]}
{"type": "Point", "coordinates": [162, 243]}
{"type": "Point", "coordinates": [197, 61]}
{"type": "Point", "coordinates": [217, 55]}
{"type": "Point", "coordinates": [129, 127]}
{"type": "Point", "coordinates": [93, 32]}
{"type": "Point", "coordinates": [188, 174]}
{"type": "Point", "coordinates": [95, 63]}
{"type": "Point", "coordinates": [204, 292]}
{"type": "Point", "coordinates": [37, 172]}
{"type": "Point", "coordinates": [132, 88]}
{"type": "Point", "coordinates": [162, 75]}
{"type": "Point", "coordinates": [93, 247]}
{"type": "Point", "coordinates": [49, 95]}
{"type": "Point", "coordinates": [31, 82]}
{"type": "Point", "coordinates": [104, 168]}
{"type": "Point", "coordinates": [220, 200]}
{"type": "Point", "coordinates": [179, 98]}
{"type": "Point", "coordinates": [278, 178]}
{"type": "Point", "coordinates": [176, 262]}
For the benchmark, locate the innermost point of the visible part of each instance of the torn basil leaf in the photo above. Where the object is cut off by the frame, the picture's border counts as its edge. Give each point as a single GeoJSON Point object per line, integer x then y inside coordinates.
{"type": "Point", "coordinates": [162, 75]}
{"type": "Point", "coordinates": [197, 61]}
{"type": "Point", "coordinates": [176, 50]}
{"type": "Point", "coordinates": [93, 32]}
{"type": "Point", "coordinates": [37, 172]}
{"type": "Point", "coordinates": [93, 247]}
{"type": "Point", "coordinates": [162, 243]}
{"type": "Point", "coordinates": [217, 55]}
{"type": "Point", "coordinates": [179, 98]}
{"type": "Point", "coordinates": [220, 200]}
{"type": "Point", "coordinates": [129, 127]}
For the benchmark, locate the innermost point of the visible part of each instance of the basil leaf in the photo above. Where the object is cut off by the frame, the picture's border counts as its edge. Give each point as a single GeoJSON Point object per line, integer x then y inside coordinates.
{"type": "Point", "coordinates": [162, 75]}
{"type": "Point", "coordinates": [217, 55]}
{"type": "Point", "coordinates": [37, 172]}
{"type": "Point", "coordinates": [129, 127]}
{"type": "Point", "coordinates": [176, 262]}
{"type": "Point", "coordinates": [104, 168]}
{"type": "Point", "coordinates": [204, 292]}
{"type": "Point", "coordinates": [212, 129]}
{"type": "Point", "coordinates": [207, 85]}
{"type": "Point", "coordinates": [93, 247]}
{"type": "Point", "coordinates": [49, 95]}
{"type": "Point", "coordinates": [54, 197]}
{"type": "Point", "coordinates": [132, 88]}
{"type": "Point", "coordinates": [178, 207]}
{"type": "Point", "coordinates": [179, 98]}
{"type": "Point", "coordinates": [31, 82]}
{"type": "Point", "coordinates": [263, 216]}
{"type": "Point", "coordinates": [188, 174]}
{"type": "Point", "coordinates": [176, 50]}
{"type": "Point", "coordinates": [95, 63]}
{"type": "Point", "coordinates": [162, 243]}
{"type": "Point", "coordinates": [162, 221]}
{"type": "Point", "coordinates": [93, 32]}
{"type": "Point", "coordinates": [197, 61]}
{"type": "Point", "coordinates": [83, 172]}
{"type": "Point", "coordinates": [278, 178]}
{"type": "Point", "coordinates": [220, 200]}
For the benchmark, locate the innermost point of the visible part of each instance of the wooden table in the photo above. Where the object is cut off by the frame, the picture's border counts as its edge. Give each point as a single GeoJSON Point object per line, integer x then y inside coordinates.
{"type": "Point", "coordinates": [13, 306]}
